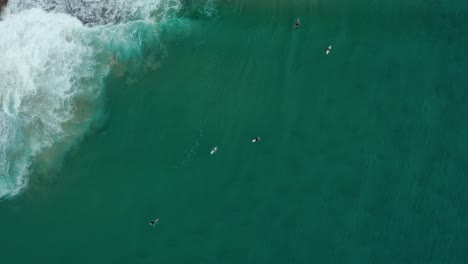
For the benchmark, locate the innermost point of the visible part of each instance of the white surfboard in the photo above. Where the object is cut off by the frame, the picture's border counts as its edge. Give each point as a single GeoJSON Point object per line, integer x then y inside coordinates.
{"type": "Point", "coordinates": [214, 150]}
{"type": "Point", "coordinates": [256, 139]}
{"type": "Point", "coordinates": [328, 50]}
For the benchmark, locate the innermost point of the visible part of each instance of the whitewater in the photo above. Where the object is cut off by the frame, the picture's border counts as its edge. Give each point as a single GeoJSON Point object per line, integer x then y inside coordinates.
{"type": "Point", "coordinates": [54, 61]}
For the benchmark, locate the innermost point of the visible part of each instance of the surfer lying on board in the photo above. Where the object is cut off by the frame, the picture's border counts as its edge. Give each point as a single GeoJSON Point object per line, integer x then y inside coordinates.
{"type": "Point", "coordinates": [214, 150]}
{"type": "Point", "coordinates": [154, 222]}
{"type": "Point", "coordinates": [298, 23]}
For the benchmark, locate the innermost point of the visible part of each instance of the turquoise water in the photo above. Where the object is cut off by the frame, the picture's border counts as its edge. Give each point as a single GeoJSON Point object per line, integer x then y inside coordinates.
{"type": "Point", "coordinates": [362, 158]}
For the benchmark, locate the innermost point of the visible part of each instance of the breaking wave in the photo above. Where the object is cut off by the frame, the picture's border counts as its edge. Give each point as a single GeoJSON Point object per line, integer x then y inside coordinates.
{"type": "Point", "coordinates": [54, 60]}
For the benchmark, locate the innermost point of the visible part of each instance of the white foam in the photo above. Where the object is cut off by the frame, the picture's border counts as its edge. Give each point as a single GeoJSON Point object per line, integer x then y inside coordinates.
{"type": "Point", "coordinates": [210, 9]}
{"type": "Point", "coordinates": [41, 68]}
{"type": "Point", "coordinates": [48, 59]}
{"type": "Point", "coordinates": [100, 12]}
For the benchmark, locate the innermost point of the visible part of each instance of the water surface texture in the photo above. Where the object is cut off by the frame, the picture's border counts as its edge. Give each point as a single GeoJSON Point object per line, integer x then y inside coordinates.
{"type": "Point", "coordinates": [109, 110]}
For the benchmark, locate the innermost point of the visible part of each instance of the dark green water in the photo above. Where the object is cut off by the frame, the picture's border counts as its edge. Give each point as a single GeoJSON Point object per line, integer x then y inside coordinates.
{"type": "Point", "coordinates": [363, 157]}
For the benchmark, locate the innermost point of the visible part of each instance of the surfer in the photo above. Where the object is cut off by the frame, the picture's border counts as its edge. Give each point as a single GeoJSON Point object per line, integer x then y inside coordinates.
{"type": "Point", "coordinates": [214, 150]}
{"type": "Point", "coordinates": [154, 222]}
{"type": "Point", "coordinates": [328, 50]}
{"type": "Point", "coordinates": [256, 139]}
{"type": "Point", "coordinates": [298, 23]}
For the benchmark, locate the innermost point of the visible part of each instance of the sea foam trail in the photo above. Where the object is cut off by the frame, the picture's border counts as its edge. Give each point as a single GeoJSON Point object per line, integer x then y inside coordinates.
{"type": "Point", "coordinates": [51, 75]}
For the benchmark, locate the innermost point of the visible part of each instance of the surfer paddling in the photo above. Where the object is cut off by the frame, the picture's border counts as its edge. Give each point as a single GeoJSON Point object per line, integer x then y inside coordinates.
{"type": "Point", "coordinates": [298, 23]}
{"type": "Point", "coordinates": [256, 139]}
{"type": "Point", "coordinates": [154, 222]}
{"type": "Point", "coordinates": [328, 50]}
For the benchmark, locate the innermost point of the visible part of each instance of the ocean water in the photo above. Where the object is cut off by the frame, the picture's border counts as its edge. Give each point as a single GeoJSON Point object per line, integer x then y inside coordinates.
{"type": "Point", "coordinates": [109, 110]}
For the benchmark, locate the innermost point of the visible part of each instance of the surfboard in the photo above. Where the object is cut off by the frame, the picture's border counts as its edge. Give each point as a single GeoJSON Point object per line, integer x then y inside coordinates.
{"type": "Point", "coordinates": [214, 150]}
